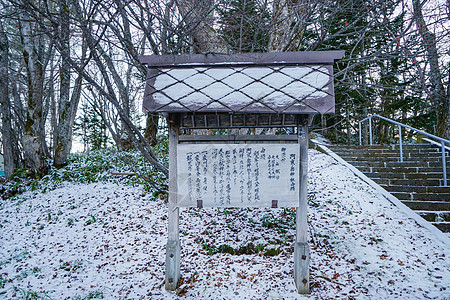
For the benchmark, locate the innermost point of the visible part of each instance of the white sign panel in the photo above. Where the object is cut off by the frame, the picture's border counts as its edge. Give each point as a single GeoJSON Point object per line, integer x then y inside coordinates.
{"type": "Point", "coordinates": [238, 175]}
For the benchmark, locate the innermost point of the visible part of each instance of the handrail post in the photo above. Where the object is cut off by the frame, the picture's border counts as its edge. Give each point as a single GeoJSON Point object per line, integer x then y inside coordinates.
{"type": "Point", "coordinates": [400, 125]}
{"type": "Point", "coordinates": [401, 145]}
{"type": "Point", "coordinates": [444, 163]}
{"type": "Point", "coordinates": [360, 129]}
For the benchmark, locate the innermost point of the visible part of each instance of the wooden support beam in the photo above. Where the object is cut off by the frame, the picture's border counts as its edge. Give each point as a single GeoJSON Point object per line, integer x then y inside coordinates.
{"type": "Point", "coordinates": [237, 138]}
{"type": "Point", "coordinates": [301, 247]}
{"type": "Point", "coordinates": [173, 242]}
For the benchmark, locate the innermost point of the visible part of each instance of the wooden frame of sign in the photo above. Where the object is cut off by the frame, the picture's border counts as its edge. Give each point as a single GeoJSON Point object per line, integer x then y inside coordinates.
{"type": "Point", "coordinates": [265, 90]}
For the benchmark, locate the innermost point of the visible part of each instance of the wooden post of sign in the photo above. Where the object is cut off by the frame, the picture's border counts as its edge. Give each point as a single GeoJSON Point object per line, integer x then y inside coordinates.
{"type": "Point", "coordinates": [173, 242]}
{"type": "Point", "coordinates": [301, 247]}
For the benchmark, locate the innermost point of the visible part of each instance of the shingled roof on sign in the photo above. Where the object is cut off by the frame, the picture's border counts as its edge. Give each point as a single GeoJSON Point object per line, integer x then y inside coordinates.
{"type": "Point", "coordinates": [292, 82]}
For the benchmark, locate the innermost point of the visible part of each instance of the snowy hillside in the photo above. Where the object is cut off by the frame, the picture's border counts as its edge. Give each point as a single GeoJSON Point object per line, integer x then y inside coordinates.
{"type": "Point", "coordinates": [85, 241]}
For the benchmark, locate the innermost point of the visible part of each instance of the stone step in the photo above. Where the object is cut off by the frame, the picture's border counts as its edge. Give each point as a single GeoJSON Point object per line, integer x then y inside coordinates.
{"type": "Point", "coordinates": [358, 147]}
{"type": "Point", "coordinates": [417, 181]}
{"type": "Point", "coordinates": [407, 155]}
{"type": "Point", "coordinates": [366, 152]}
{"type": "Point", "coordinates": [386, 150]}
{"type": "Point", "coordinates": [395, 161]}
{"type": "Point", "coordinates": [428, 205]}
{"type": "Point", "coordinates": [416, 146]}
{"type": "Point", "coordinates": [418, 189]}
{"type": "Point", "coordinates": [393, 158]}
{"type": "Point", "coordinates": [419, 170]}
{"type": "Point", "coordinates": [410, 182]}
{"type": "Point", "coordinates": [413, 146]}
{"type": "Point", "coordinates": [424, 197]}
{"type": "Point", "coordinates": [388, 146]}
{"type": "Point", "coordinates": [400, 175]}
{"type": "Point", "coordinates": [390, 150]}
{"type": "Point", "coordinates": [442, 226]}
{"type": "Point", "coordinates": [435, 216]}
{"type": "Point", "coordinates": [393, 164]}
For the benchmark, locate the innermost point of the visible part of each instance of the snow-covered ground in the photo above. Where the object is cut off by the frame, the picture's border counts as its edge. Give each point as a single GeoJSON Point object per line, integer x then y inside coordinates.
{"type": "Point", "coordinates": [108, 240]}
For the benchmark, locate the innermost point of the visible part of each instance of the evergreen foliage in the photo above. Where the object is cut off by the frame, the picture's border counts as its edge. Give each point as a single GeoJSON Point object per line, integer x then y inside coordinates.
{"type": "Point", "coordinates": [375, 76]}
{"type": "Point", "coordinates": [244, 25]}
{"type": "Point", "coordinates": [91, 129]}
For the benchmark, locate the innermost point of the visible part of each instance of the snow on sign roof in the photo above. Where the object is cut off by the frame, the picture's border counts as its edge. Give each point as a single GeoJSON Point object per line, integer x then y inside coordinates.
{"type": "Point", "coordinates": [284, 82]}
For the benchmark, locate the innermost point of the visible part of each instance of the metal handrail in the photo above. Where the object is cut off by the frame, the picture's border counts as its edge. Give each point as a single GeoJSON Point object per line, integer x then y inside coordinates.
{"type": "Point", "coordinates": [400, 125]}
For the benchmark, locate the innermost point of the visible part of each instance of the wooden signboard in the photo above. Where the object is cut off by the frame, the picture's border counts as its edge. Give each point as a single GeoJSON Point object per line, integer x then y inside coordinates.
{"type": "Point", "coordinates": [238, 175]}
{"type": "Point", "coordinates": [248, 90]}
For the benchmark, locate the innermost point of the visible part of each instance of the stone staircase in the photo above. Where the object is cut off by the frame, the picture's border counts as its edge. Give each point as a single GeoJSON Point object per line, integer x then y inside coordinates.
{"type": "Point", "coordinates": [417, 181]}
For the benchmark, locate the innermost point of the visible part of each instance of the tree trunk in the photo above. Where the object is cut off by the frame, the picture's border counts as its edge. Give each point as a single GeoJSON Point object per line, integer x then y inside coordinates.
{"type": "Point", "coordinates": [33, 144]}
{"type": "Point", "coordinates": [151, 128]}
{"type": "Point", "coordinates": [365, 127]}
{"type": "Point", "coordinates": [5, 105]}
{"type": "Point", "coordinates": [18, 124]}
{"type": "Point", "coordinates": [282, 18]}
{"type": "Point", "coordinates": [67, 105]}
{"type": "Point", "coordinates": [285, 35]}
{"type": "Point", "coordinates": [199, 19]}
{"type": "Point", "coordinates": [347, 122]}
{"type": "Point", "coordinates": [323, 124]}
{"type": "Point", "coordinates": [437, 94]}
{"type": "Point", "coordinates": [54, 112]}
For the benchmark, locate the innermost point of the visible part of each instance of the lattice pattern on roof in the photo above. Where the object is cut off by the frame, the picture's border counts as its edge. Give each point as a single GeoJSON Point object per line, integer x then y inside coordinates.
{"type": "Point", "coordinates": [240, 86]}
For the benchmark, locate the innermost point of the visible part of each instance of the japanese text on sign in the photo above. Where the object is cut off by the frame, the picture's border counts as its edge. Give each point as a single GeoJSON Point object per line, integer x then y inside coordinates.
{"type": "Point", "coordinates": [238, 175]}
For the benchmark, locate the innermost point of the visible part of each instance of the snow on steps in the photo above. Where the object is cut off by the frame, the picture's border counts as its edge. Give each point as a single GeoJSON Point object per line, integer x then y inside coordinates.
{"type": "Point", "coordinates": [419, 177]}
{"type": "Point", "coordinates": [429, 203]}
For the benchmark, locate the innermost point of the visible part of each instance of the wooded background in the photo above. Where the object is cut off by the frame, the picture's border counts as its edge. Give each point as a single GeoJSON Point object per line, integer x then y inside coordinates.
{"type": "Point", "coordinates": [70, 68]}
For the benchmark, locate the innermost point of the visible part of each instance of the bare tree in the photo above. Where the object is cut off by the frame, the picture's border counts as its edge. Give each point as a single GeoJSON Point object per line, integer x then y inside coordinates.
{"type": "Point", "coordinates": [437, 93]}
{"type": "Point", "coordinates": [198, 17]}
{"type": "Point", "coordinates": [109, 92]}
{"type": "Point", "coordinates": [115, 33]}
{"type": "Point", "coordinates": [5, 103]}
{"type": "Point", "coordinates": [35, 57]}
{"type": "Point", "coordinates": [67, 104]}
{"type": "Point", "coordinates": [289, 21]}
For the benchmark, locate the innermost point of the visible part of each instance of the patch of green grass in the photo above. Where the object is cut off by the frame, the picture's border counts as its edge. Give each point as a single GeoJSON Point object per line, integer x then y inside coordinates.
{"type": "Point", "coordinates": [92, 295]}
{"type": "Point", "coordinates": [18, 257]}
{"type": "Point", "coordinates": [249, 248]}
{"type": "Point", "coordinates": [226, 249]}
{"type": "Point", "coordinates": [3, 281]}
{"type": "Point", "coordinates": [32, 295]}
{"type": "Point", "coordinates": [71, 266]}
{"type": "Point", "coordinates": [94, 166]}
{"type": "Point", "coordinates": [90, 221]}
{"type": "Point", "coordinates": [272, 252]}
{"type": "Point", "coordinates": [282, 224]}
{"type": "Point", "coordinates": [95, 295]}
